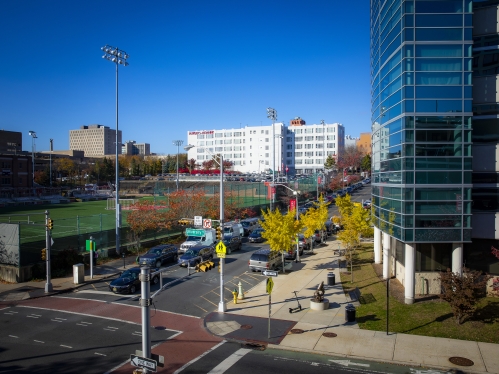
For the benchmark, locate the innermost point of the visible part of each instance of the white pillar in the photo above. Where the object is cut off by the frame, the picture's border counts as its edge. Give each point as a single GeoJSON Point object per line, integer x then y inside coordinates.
{"type": "Point", "coordinates": [410, 275]}
{"type": "Point", "coordinates": [457, 258]}
{"type": "Point", "coordinates": [377, 246]}
{"type": "Point", "coordinates": [386, 256]}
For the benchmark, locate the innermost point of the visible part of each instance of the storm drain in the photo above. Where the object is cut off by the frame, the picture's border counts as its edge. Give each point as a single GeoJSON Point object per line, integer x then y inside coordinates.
{"type": "Point", "coordinates": [461, 361]}
{"type": "Point", "coordinates": [246, 327]}
{"type": "Point", "coordinates": [329, 335]}
{"type": "Point", "coordinates": [297, 331]}
{"type": "Point", "coordinates": [256, 347]}
{"type": "Point", "coordinates": [160, 328]}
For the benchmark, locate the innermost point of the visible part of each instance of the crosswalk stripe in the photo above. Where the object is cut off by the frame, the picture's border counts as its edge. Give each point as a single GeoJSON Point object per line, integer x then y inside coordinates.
{"type": "Point", "coordinates": [229, 361]}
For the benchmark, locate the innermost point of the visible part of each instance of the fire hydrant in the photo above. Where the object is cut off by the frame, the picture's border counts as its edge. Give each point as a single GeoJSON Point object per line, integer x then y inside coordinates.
{"type": "Point", "coordinates": [241, 294]}
{"type": "Point", "coordinates": [235, 295]}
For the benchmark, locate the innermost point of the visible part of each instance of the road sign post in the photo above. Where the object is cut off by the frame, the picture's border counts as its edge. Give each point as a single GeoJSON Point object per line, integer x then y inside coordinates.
{"type": "Point", "coordinates": [145, 363]}
{"type": "Point", "coordinates": [270, 286]}
{"type": "Point", "coordinates": [198, 220]}
{"type": "Point", "coordinates": [207, 223]}
{"type": "Point", "coordinates": [221, 249]}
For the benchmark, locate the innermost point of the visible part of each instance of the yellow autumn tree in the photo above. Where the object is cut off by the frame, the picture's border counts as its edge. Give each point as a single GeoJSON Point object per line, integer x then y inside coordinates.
{"type": "Point", "coordinates": [356, 225]}
{"type": "Point", "coordinates": [280, 230]}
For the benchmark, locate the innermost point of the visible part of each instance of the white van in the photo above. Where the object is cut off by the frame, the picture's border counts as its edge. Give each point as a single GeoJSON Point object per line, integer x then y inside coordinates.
{"type": "Point", "coordinates": [209, 237]}
{"type": "Point", "coordinates": [249, 224]}
{"type": "Point", "coordinates": [233, 229]}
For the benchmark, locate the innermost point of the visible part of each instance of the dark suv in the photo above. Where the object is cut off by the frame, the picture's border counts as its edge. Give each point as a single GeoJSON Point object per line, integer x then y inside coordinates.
{"type": "Point", "coordinates": [303, 244]}
{"type": "Point", "coordinates": [233, 243]}
{"type": "Point", "coordinates": [158, 255]}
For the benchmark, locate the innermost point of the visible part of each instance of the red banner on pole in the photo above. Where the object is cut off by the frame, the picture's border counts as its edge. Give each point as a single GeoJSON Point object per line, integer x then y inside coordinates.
{"type": "Point", "coordinates": [292, 204]}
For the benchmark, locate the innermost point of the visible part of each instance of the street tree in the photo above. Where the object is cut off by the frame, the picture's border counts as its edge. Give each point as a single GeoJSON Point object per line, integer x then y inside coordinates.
{"type": "Point", "coordinates": [463, 291]}
{"type": "Point", "coordinates": [350, 158]}
{"type": "Point", "coordinates": [330, 163]}
{"type": "Point", "coordinates": [280, 230]}
{"type": "Point", "coordinates": [356, 222]}
{"type": "Point", "coordinates": [365, 164]}
{"type": "Point", "coordinates": [145, 215]}
{"type": "Point", "coordinates": [314, 219]}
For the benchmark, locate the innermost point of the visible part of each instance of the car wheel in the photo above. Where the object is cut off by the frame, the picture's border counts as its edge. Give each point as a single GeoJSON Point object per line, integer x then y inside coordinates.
{"type": "Point", "coordinates": [155, 280]}
{"type": "Point", "coordinates": [133, 288]}
{"type": "Point", "coordinates": [229, 250]}
{"type": "Point", "coordinates": [158, 263]}
{"type": "Point", "coordinates": [240, 247]}
{"type": "Point", "coordinates": [175, 258]}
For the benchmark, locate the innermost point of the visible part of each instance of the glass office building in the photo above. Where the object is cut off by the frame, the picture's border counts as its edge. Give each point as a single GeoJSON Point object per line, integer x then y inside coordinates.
{"type": "Point", "coordinates": [421, 86]}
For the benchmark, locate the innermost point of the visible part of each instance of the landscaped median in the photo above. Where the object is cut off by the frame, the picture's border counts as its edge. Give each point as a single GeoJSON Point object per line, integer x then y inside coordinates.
{"type": "Point", "coordinates": [427, 317]}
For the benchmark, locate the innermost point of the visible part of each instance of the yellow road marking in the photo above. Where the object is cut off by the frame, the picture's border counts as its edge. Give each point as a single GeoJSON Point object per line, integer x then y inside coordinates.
{"type": "Point", "coordinates": [209, 301]}
{"type": "Point", "coordinates": [204, 310]}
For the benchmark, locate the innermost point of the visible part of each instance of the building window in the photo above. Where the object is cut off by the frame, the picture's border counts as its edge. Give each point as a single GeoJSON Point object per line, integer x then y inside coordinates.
{"type": "Point", "coordinates": [218, 135]}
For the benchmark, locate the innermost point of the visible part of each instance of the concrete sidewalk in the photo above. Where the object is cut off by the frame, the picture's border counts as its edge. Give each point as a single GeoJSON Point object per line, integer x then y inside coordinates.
{"type": "Point", "coordinates": [310, 330]}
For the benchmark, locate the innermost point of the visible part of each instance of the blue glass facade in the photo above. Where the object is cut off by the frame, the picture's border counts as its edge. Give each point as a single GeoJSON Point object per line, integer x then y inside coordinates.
{"type": "Point", "coordinates": [421, 79]}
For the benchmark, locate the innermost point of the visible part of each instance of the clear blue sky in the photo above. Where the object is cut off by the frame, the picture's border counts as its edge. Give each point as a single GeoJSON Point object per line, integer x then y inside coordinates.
{"type": "Point", "coordinates": [194, 64]}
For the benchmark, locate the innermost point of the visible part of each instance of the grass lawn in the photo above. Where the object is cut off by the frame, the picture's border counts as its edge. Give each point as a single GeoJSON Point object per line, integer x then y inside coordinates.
{"type": "Point", "coordinates": [429, 317]}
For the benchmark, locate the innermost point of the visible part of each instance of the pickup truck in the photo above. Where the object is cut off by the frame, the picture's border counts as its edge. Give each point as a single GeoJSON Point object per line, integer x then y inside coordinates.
{"type": "Point", "coordinates": [159, 254]}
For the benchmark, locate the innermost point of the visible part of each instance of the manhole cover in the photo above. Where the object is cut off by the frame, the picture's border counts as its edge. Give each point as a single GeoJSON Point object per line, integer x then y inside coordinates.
{"type": "Point", "coordinates": [160, 328]}
{"type": "Point", "coordinates": [246, 327]}
{"type": "Point", "coordinates": [461, 361]}
{"type": "Point", "coordinates": [329, 335]}
{"type": "Point", "coordinates": [297, 331]}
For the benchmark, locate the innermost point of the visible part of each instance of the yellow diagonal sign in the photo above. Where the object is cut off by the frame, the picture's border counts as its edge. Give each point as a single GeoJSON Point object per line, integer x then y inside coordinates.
{"type": "Point", "coordinates": [221, 248]}
{"type": "Point", "coordinates": [270, 285]}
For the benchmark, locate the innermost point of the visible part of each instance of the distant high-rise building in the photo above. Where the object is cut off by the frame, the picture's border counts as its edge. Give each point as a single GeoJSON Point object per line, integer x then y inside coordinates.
{"type": "Point", "coordinates": [131, 148]}
{"type": "Point", "coordinates": [11, 141]}
{"type": "Point", "coordinates": [94, 140]}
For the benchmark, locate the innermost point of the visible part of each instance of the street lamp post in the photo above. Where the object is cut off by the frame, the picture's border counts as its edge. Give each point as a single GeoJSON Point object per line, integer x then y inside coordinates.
{"type": "Point", "coordinates": [178, 143]}
{"type": "Point", "coordinates": [33, 136]}
{"type": "Point", "coordinates": [272, 114]}
{"type": "Point", "coordinates": [118, 57]}
{"type": "Point", "coordinates": [222, 307]}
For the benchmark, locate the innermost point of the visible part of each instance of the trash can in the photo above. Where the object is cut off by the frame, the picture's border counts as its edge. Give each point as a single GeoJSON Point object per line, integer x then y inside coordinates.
{"type": "Point", "coordinates": [78, 273]}
{"type": "Point", "coordinates": [331, 279]}
{"type": "Point", "coordinates": [350, 313]}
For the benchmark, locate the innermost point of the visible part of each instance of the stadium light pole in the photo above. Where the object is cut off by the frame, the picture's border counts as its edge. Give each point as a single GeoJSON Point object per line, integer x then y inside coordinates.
{"type": "Point", "coordinates": [178, 143]}
{"type": "Point", "coordinates": [222, 307]}
{"type": "Point", "coordinates": [51, 150]}
{"type": "Point", "coordinates": [272, 114]}
{"type": "Point", "coordinates": [33, 137]}
{"type": "Point", "coordinates": [118, 57]}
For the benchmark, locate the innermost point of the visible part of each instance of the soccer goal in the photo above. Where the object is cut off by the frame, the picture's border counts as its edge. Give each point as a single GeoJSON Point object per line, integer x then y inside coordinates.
{"type": "Point", "coordinates": [125, 203]}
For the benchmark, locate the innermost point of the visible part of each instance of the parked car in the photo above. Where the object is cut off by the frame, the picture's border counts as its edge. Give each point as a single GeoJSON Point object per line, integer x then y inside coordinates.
{"type": "Point", "coordinates": [256, 236]}
{"type": "Point", "coordinates": [249, 224]}
{"type": "Point", "coordinates": [320, 236]}
{"type": "Point", "coordinates": [290, 254]}
{"type": "Point", "coordinates": [264, 259]}
{"type": "Point", "coordinates": [158, 255]}
{"type": "Point", "coordinates": [303, 244]}
{"type": "Point", "coordinates": [196, 255]}
{"type": "Point", "coordinates": [233, 243]}
{"type": "Point", "coordinates": [128, 281]}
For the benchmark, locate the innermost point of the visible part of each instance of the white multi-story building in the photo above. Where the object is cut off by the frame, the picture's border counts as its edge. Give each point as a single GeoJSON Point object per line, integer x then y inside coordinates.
{"type": "Point", "coordinates": [297, 149]}
{"type": "Point", "coordinates": [94, 140]}
{"type": "Point", "coordinates": [131, 148]}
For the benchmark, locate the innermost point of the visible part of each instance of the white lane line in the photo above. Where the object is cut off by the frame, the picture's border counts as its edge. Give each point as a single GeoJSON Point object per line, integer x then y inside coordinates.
{"type": "Point", "coordinates": [229, 361]}
{"type": "Point", "coordinates": [109, 330]}
{"type": "Point", "coordinates": [111, 327]}
{"type": "Point", "coordinates": [32, 317]}
{"type": "Point", "coordinates": [99, 354]}
{"type": "Point", "coordinates": [55, 320]}
{"type": "Point", "coordinates": [104, 293]}
{"type": "Point", "coordinates": [199, 357]}
{"type": "Point", "coordinates": [136, 334]}
{"type": "Point", "coordinates": [62, 319]}
{"type": "Point", "coordinates": [82, 324]}
{"type": "Point", "coordinates": [10, 313]}
{"type": "Point", "coordinates": [65, 346]}
{"type": "Point", "coordinates": [39, 341]}
{"type": "Point", "coordinates": [13, 336]}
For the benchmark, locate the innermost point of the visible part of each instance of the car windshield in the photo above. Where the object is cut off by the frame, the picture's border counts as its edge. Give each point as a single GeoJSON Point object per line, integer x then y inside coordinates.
{"type": "Point", "coordinates": [193, 239]}
{"type": "Point", "coordinates": [127, 274]}
{"type": "Point", "coordinates": [155, 251]}
{"type": "Point", "coordinates": [192, 252]}
{"type": "Point", "coordinates": [245, 224]}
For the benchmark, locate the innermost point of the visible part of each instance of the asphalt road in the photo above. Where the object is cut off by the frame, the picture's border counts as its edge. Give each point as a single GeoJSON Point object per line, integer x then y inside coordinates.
{"type": "Point", "coordinates": [35, 340]}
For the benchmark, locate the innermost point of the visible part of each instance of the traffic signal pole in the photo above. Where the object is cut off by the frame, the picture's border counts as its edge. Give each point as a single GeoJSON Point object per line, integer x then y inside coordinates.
{"type": "Point", "coordinates": [48, 244]}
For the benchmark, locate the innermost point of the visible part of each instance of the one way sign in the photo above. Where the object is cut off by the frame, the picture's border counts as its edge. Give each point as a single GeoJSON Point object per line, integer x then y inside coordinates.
{"type": "Point", "coordinates": [143, 362]}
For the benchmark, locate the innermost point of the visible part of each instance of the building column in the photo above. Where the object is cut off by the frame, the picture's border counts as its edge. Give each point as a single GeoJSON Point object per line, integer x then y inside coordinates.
{"type": "Point", "coordinates": [377, 246]}
{"type": "Point", "coordinates": [457, 258]}
{"type": "Point", "coordinates": [386, 256]}
{"type": "Point", "coordinates": [410, 274]}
